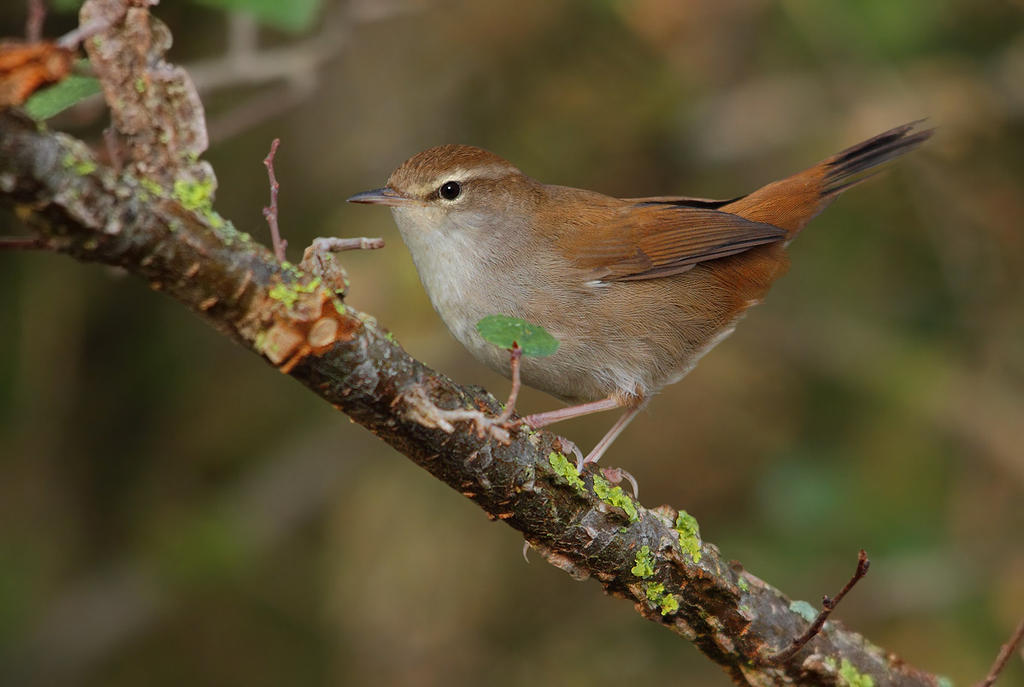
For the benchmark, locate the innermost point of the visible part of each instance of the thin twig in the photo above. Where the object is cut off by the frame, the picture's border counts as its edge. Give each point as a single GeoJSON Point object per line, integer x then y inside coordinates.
{"type": "Point", "coordinates": [243, 37]}
{"type": "Point", "coordinates": [827, 606]}
{"type": "Point", "coordinates": [1004, 656]}
{"type": "Point", "coordinates": [246, 63]}
{"type": "Point", "coordinates": [419, 408]}
{"type": "Point", "coordinates": [113, 145]}
{"type": "Point", "coordinates": [270, 212]}
{"type": "Point", "coordinates": [74, 37]}
{"type": "Point", "coordinates": [34, 23]}
{"type": "Point", "coordinates": [510, 404]}
{"type": "Point", "coordinates": [334, 244]}
{"type": "Point", "coordinates": [21, 242]}
{"type": "Point", "coordinates": [248, 113]}
{"type": "Point", "coordinates": [292, 71]}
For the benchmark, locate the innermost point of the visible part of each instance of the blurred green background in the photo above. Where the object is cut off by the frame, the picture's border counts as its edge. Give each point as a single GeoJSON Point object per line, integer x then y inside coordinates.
{"type": "Point", "coordinates": [172, 511]}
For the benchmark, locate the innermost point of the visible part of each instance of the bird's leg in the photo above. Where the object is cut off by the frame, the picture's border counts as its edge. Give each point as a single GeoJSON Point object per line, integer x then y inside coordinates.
{"type": "Point", "coordinates": [504, 420]}
{"type": "Point", "coordinates": [538, 420]}
{"type": "Point", "coordinates": [550, 417]}
{"type": "Point", "coordinates": [612, 434]}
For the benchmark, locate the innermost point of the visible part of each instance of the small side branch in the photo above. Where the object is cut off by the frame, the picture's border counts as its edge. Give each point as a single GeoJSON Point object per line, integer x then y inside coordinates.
{"type": "Point", "coordinates": [827, 606]}
{"type": "Point", "coordinates": [421, 409]}
{"type": "Point", "coordinates": [513, 394]}
{"type": "Point", "coordinates": [72, 39]}
{"type": "Point", "coordinates": [34, 23]}
{"type": "Point", "coordinates": [418, 407]}
{"type": "Point", "coordinates": [21, 243]}
{"type": "Point", "coordinates": [270, 212]}
{"type": "Point", "coordinates": [331, 244]}
{"type": "Point", "coordinates": [1004, 656]}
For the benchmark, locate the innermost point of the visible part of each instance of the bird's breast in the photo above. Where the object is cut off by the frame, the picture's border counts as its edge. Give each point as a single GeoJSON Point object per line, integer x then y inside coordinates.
{"type": "Point", "coordinates": [462, 277]}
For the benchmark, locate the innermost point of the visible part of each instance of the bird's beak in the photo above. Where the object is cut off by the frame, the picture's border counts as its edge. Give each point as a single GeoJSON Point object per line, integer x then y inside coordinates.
{"type": "Point", "coordinates": [383, 196]}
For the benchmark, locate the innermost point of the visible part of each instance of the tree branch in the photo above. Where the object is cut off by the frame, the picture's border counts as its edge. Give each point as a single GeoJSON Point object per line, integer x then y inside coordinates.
{"type": "Point", "coordinates": [828, 605]}
{"type": "Point", "coordinates": [1003, 657]}
{"type": "Point", "coordinates": [154, 219]}
{"type": "Point", "coordinates": [240, 288]}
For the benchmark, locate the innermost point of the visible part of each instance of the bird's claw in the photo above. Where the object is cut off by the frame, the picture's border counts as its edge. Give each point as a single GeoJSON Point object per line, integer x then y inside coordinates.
{"type": "Point", "coordinates": [616, 475]}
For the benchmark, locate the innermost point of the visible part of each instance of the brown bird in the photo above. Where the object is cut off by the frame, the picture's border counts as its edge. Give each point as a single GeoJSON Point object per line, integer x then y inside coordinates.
{"type": "Point", "coordinates": [636, 290]}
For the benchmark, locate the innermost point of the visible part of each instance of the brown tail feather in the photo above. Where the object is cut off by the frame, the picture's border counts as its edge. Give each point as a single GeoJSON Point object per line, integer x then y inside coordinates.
{"type": "Point", "coordinates": [792, 202]}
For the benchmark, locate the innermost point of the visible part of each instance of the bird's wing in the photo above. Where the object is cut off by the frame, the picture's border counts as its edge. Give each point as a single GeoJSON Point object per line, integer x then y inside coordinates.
{"type": "Point", "coordinates": [654, 237]}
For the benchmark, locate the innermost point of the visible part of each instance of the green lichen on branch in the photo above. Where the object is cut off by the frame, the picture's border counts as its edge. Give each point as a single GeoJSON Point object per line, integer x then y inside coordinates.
{"type": "Point", "coordinates": [804, 610]}
{"type": "Point", "coordinates": [853, 677]}
{"type": "Point", "coordinates": [689, 535]}
{"type": "Point", "coordinates": [567, 471]}
{"type": "Point", "coordinates": [152, 187]}
{"type": "Point", "coordinates": [289, 294]}
{"type": "Point", "coordinates": [260, 344]}
{"type": "Point", "coordinates": [657, 595]}
{"type": "Point", "coordinates": [644, 567]}
{"type": "Point", "coordinates": [79, 166]}
{"type": "Point", "coordinates": [614, 496]}
{"type": "Point", "coordinates": [197, 196]}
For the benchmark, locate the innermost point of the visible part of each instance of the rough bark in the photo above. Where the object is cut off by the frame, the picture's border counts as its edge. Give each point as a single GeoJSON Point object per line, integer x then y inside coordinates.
{"type": "Point", "coordinates": [156, 221]}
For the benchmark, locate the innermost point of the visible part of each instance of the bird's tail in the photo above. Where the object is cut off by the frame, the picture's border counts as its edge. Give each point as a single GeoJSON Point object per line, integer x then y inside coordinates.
{"type": "Point", "coordinates": [792, 202]}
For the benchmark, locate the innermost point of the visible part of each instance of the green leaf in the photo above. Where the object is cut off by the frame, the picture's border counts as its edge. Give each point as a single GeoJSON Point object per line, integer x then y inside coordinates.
{"type": "Point", "coordinates": [59, 97]}
{"type": "Point", "coordinates": [290, 15]}
{"type": "Point", "coordinates": [505, 331]}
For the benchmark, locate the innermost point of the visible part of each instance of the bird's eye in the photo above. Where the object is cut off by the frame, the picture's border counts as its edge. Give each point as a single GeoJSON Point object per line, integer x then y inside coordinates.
{"type": "Point", "coordinates": [450, 190]}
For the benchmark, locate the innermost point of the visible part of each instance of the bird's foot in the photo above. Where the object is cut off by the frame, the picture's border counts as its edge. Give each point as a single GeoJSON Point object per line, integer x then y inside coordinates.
{"type": "Point", "coordinates": [567, 446]}
{"type": "Point", "coordinates": [616, 475]}
{"type": "Point", "coordinates": [613, 475]}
